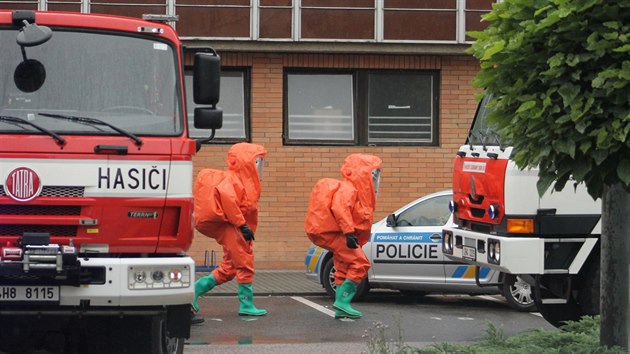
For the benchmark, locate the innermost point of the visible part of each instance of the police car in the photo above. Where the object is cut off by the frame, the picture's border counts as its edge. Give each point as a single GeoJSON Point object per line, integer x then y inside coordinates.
{"type": "Point", "coordinates": [405, 250]}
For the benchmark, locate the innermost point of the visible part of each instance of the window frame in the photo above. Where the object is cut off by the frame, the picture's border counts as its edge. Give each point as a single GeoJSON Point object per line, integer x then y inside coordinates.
{"type": "Point", "coordinates": [360, 104]}
{"type": "Point", "coordinates": [246, 71]}
{"type": "Point", "coordinates": [285, 108]}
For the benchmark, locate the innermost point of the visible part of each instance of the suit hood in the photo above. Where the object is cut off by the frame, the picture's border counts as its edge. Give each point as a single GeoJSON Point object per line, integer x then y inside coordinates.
{"type": "Point", "coordinates": [241, 161]}
{"type": "Point", "coordinates": [357, 169]}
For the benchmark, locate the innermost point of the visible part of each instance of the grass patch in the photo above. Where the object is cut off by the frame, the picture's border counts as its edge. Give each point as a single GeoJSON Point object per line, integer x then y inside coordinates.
{"type": "Point", "coordinates": [576, 337]}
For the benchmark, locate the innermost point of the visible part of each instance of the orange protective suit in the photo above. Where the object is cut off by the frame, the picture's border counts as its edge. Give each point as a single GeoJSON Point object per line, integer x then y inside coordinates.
{"type": "Point", "coordinates": [338, 208]}
{"type": "Point", "coordinates": [226, 200]}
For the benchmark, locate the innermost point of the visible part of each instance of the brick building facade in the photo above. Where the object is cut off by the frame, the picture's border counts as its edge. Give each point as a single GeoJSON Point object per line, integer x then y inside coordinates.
{"type": "Point", "coordinates": [291, 171]}
{"type": "Point", "coordinates": [290, 65]}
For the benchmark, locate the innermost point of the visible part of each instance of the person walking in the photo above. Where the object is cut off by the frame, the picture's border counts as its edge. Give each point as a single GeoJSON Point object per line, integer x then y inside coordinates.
{"type": "Point", "coordinates": [339, 219]}
{"type": "Point", "coordinates": [226, 209]}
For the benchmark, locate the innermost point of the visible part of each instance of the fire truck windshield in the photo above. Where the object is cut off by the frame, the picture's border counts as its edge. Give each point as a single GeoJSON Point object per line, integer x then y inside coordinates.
{"type": "Point", "coordinates": [128, 82]}
{"type": "Point", "coordinates": [482, 131]}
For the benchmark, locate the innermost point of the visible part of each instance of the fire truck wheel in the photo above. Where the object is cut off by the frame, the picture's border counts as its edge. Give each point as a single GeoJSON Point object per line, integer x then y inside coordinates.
{"type": "Point", "coordinates": [14, 339]}
{"type": "Point", "coordinates": [328, 280]}
{"type": "Point", "coordinates": [518, 293]}
{"type": "Point", "coordinates": [556, 313]}
{"type": "Point", "coordinates": [589, 285]}
{"type": "Point", "coordinates": [166, 344]}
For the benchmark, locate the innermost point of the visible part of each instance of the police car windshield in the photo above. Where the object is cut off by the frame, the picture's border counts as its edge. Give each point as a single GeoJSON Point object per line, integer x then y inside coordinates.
{"type": "Point", "coordinates": [128, 82]}
{"type": "Point", "coordinates": [482, 132]}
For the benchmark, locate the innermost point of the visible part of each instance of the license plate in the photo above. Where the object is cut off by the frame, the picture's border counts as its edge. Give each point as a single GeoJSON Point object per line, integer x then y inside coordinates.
{"type": "Point", "coordinates": [469, 253]}
{"type": "Point", "coordinates": [29, 293]}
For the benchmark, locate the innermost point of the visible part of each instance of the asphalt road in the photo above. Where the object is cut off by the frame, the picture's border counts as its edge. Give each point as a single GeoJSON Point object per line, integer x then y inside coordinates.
{"type": "Point", "coordinates": [298, 324]}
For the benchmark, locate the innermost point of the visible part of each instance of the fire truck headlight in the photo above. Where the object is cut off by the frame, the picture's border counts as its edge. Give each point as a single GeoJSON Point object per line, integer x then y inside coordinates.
{"type": "Point", "coordinates": [175, 275]}
{"type": "Point", "coordinates": [493, 211]}
{"type": "Point", "coordinates": [452, 206]}
{"type": "Point", "coordinates": [494, 251]}
{"type": "Point", "coordinates": [447, 243]}
{"type": "Point", "coordinates": [140, 276]}
{"type": "Point", "coordinates": [159, 277]}
{"type": "Point", "coordinates": [497, 252]}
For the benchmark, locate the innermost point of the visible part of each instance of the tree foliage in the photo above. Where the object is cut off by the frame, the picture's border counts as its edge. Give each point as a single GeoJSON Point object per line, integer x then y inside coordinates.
{"type": "Point", "coordinates": [559, 72]}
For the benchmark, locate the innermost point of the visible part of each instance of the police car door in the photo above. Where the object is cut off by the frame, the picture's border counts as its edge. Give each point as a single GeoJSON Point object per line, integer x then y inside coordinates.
{"type": "Point", "coordinates": [408, 246]}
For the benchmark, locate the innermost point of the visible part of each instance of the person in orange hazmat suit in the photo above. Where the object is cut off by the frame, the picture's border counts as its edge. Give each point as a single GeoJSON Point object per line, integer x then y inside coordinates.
{"type": "Point", "coordinates": [339, 219]}
{"type": "Point", "coordinates": [226, 209]}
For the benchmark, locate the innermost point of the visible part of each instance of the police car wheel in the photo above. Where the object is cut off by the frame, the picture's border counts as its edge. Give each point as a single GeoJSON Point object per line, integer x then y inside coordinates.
{"type": "Point", "coordinates": [518, 293]}
{"type": "Point", "coordinates": [328, 280]}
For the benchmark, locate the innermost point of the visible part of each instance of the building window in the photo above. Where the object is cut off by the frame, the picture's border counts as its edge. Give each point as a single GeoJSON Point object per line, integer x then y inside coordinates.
{"type": "Point", "coordinates": [362, 107]}
{"type": "Point", "coordinates": [400, 108]}
{"type": "Point", "coordinates": [320, 107]}
{"type": "Point", "coordinates": [234, 102]}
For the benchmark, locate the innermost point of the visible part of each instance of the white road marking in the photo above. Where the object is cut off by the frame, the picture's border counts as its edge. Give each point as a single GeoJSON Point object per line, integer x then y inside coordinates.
{"type": "Point", "coordinates": [436, 318]}
{"type": "Point", "coordinates": [466, 318]}
{"type": "Point", "coordinates": [536, 314]}
{"type": "Point", "coordinates": [317, 307]}
{"type": "Point", "coordinates": [492, 298]}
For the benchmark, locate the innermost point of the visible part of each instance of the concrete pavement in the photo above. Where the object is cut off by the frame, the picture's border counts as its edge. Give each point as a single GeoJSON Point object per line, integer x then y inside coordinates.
{"type": "Point", "coordinates": [271, 282]}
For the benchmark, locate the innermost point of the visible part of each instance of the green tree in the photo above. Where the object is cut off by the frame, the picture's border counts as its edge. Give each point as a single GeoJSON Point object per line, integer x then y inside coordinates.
{"type": "Point", "coordinates": [559, 71]}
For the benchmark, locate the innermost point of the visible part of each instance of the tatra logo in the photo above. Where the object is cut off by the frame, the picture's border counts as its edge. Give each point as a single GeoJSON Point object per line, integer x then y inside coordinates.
{"type": "Point", "coordinates": [23, 184]}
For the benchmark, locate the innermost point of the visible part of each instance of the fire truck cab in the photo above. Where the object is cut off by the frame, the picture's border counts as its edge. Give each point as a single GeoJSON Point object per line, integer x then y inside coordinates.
{"type": "Point", "coordinates": [96, 182]}
{"type": "Point", "coordinates": [550, 241]}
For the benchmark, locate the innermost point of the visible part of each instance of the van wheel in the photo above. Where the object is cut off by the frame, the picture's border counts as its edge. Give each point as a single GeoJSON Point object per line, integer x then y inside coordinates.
{"type": "Point", "coordinates": [518, 293]}
{"type": "Point", "coordinates": [328, 280]}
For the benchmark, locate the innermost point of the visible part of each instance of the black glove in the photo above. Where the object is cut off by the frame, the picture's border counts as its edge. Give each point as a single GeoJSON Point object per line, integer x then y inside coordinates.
{"type": "Point", "coordinates": [352, 241]}
{"type": "Point", "coordinates": [248, 234]}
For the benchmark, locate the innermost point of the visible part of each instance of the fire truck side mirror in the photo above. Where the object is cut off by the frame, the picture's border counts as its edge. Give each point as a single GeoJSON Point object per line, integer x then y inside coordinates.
{"type": "Point", "coordinates": [206, 79]}
{"type": "Point", "coordinates": [206, 88]}
{"type": "Point", "coordinates": [208, 118]}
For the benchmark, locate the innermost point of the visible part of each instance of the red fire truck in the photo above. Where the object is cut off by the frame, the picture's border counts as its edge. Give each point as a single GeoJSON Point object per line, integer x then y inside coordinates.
{"type": "Point", "coordinates": [96, 182]}
{"type": "Point", "coordinates": [549, 241]}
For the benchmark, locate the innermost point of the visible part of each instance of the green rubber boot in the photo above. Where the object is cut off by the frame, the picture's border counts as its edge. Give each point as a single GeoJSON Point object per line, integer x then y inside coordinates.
{"type": "Point", "coordinates": [340, 314]}
{"type": "Point", "coordinates": [246, 301]}
{"type": "Point", "coordinates": [344, 294]}
{"type": "Point", "coordinates": [202, 286]}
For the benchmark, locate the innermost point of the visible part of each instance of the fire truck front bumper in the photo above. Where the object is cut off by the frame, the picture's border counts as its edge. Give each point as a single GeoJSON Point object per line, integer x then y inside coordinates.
{"type": "Point", "coordinates": [115, 282]}
{"type": "Point", "coordinates": [517, 255]}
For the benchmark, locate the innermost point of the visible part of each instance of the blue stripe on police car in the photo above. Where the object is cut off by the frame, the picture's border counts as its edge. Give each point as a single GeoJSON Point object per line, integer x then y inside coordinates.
{"type": "Point", "coordinates": [415, 237]}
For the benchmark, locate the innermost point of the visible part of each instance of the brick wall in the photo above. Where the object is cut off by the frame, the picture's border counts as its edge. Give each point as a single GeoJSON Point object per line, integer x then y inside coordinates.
{"type": "Point", "coordinates": [291, 171]}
